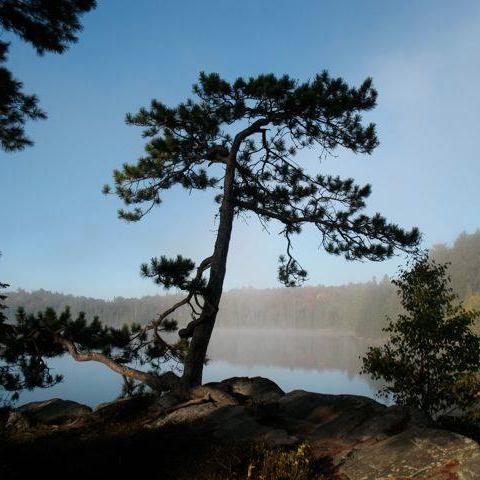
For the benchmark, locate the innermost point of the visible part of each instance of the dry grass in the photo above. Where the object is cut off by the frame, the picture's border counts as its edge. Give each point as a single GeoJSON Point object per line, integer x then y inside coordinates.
{"type": "Point", "coordinates": [256, 461]}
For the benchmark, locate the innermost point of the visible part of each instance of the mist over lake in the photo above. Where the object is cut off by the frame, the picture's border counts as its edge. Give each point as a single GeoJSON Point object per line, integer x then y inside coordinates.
{"type": "Point", "coordinates": [314, 360]}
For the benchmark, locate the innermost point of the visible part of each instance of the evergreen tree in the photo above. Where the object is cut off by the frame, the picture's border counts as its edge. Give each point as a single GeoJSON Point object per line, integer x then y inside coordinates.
{"type": "Point", "coordinates": [49, 26]}
{"type": "Point", "coordinates": [32, 339]}
{"type": "Point", "coordinates": [239, 138]}
{"type": "Point", "coordinates": [3, 317]}
{"type": "Point", "coordinates": [431, 360]}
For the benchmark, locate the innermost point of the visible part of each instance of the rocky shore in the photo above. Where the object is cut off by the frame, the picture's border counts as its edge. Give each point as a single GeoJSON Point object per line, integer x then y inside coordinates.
{"type": "Point", "coordinates": [349, 437]}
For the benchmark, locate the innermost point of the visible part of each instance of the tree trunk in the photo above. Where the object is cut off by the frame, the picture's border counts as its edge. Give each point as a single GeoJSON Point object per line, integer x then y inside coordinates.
{"type": "Point", "coordinates": [193, 366]}
{"type": "Point", "coordinates": [195, 359]}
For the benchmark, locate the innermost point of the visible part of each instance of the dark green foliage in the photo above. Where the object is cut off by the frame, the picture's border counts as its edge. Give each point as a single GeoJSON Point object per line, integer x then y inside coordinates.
{"type": "Point", "coordinates": [171, 273]}
{"type": "Point", "coordinates": [431, 360]}
{"type": "Point", "coordinates": [15, 108]}
{"type": "Point", "coordinates": [28, 343]}
{"type": "Point", "coordinates": [3, 297]}
{"type": "Point", "coordinates": [49, 26]}
{"type": "Point", "coordinates": [189, 146]}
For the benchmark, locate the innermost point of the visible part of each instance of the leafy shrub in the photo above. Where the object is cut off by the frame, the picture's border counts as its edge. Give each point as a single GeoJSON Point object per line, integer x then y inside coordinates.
{"type": "Point", "coordinates": [432, 357]}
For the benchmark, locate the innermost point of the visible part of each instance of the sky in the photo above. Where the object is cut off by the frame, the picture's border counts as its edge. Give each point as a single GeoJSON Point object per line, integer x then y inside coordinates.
{"type": "Point", "coordinates": [58, 232]}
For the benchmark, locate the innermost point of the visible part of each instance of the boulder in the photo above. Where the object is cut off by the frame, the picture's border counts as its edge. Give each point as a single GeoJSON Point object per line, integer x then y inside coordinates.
{"type": "Point", "coordinates": [53, 412]}
{"type": "Point", "coordinates": [186, 415]}
{"type": "Point", "coordinates": [218, 392]}
{"type": "Point", "coordinates": [320, 407]}
{"type": "Point", "coordinates": [121, 409]}
{"type": "Point", "coordinates": [257, 388]}
{"type": "Point", "coordinates": [369, 441]}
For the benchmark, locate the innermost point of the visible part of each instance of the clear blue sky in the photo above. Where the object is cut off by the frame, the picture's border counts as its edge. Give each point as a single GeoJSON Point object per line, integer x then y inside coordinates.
{"type": "Point", "coordinates": [58, 232]}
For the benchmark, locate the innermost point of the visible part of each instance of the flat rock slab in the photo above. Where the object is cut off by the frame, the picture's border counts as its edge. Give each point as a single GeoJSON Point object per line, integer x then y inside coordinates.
{"type": "Point", "coordinates": [416, 453]}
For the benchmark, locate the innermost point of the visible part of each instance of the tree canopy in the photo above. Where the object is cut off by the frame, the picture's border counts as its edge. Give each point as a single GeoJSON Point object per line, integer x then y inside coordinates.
{"type": "Point", "coordinates": [284, 116]}
{"type": "Point", "coordinates": [49, 26]}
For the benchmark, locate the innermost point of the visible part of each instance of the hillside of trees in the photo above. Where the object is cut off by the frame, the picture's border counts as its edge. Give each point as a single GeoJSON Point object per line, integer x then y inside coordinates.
{"type": "Point", "coordinates": [356, 308]}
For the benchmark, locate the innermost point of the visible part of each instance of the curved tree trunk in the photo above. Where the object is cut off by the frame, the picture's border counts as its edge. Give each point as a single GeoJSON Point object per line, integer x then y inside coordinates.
{"type": "Point", "coordinates": [195, 359]}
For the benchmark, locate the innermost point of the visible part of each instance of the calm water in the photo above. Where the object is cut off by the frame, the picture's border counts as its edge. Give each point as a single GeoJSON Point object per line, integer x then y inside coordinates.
{"type": "Point", "coordinates": [308, 360]}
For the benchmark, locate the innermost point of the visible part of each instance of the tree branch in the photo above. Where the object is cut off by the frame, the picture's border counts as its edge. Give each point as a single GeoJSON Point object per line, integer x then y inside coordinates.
{"type": "Point", "coordinates": [163, 382]}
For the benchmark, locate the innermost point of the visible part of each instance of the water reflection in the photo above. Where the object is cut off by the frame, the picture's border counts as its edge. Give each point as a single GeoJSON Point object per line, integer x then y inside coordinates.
{"type": "Point", "coordinates": [295, 359]}
{"type": "Point", "coordinates": [308, 349]}
{"type": "Point", "coordinates": [306, 359]}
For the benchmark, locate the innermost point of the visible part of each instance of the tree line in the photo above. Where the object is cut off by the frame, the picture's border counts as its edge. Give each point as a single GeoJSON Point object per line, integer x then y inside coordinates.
{"type": "Point", "coordinates": [357, 308]}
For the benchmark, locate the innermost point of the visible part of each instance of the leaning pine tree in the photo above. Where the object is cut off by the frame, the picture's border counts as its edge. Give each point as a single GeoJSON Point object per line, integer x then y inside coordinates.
{"type": "Point", "coordinates": [239, 138]}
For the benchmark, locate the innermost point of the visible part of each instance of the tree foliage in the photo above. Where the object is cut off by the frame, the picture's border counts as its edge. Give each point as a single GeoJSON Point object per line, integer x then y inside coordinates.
{"type": "Point", "coordinates": [431, 360]}
{"type": "Point", "coordinates": [15, 108]}
{"type": "Point", "coordinates": [284, 116]}
{"type": "Point", "coordinates": [49, 26]}
{"type": "Point", "coordinates": [33, 339]}
{"type": "Point", "coordinates": [241, 138]}
{"type": "Point", "coordinates": [3, 297]}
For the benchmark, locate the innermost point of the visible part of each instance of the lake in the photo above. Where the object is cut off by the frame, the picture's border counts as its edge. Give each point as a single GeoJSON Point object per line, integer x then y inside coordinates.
{"type": "Point", "coordinates": [295, 359]}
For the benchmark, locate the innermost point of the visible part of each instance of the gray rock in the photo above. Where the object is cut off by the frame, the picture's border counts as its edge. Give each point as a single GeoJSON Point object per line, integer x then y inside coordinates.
{"type": "Point", "coordinates": [220, 393]}
{"type": "Point", "coordinates": [236, 424]}
{"type": "Point", "coordinates": [258, 388]}
{"type": "Point", "coordinates": [123, 409]}
{"type": "Point", "coordinates": [422, 453]}
{"type": "Point", "coordinates": [185, 415]}
{"type": "Point", "coordinates": [320, 407]}
{"type": "Point", "coordinates": [54, 411]}
{"type": "Point", "coordinates": [360, 438]}
{"type": "Point", "coordinates": [229, 423]}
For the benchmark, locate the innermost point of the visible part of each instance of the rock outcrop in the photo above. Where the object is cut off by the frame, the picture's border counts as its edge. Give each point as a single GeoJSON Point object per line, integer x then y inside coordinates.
{"type": "Point", "coordinates": [48, 412]}
{"type": "Point", "coordinates": [362, 439]}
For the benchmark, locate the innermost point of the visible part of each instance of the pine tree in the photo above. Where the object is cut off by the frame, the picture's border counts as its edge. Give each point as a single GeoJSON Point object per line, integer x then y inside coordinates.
{"type": "Point", "coordinates": [431, 359]}
{"type": "Point", "coordinates": [49, 26]}
{"type": "Point", "coordinates": [239, 138]}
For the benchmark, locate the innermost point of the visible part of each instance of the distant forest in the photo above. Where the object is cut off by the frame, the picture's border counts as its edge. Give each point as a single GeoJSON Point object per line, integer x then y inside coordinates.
{"type": "Point", "coordinates": [356, 308]}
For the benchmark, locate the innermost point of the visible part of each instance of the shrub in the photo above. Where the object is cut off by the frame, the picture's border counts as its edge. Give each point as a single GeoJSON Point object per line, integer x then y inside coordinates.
{"type": "Point", "coordinates": [432, 356]}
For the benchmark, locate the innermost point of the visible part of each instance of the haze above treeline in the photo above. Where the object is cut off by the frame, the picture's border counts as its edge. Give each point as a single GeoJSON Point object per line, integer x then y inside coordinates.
{"type": "Point", "coordinates": [356, 308]}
